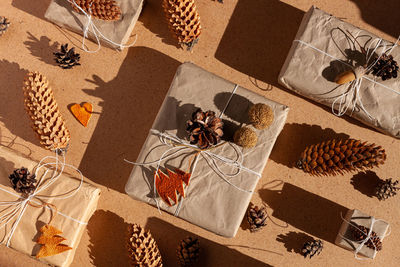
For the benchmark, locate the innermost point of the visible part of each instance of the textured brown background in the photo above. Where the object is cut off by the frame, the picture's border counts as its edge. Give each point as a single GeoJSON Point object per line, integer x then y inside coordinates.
{"type": "Point", "coordinates": [245, 41]}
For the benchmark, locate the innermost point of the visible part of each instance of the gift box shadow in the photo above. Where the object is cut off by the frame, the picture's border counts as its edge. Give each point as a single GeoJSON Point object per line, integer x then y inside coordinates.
{"type": "Point", "coordinates": [308, 212]}
{"type": "Point", "coordinates": [168, 237]}
{"type": "Point", "coordinates": [129, 105]}
{"type": "Point", "coordinates": [108, 248]}
{"type": "Point", "coordinates": [37, 9]}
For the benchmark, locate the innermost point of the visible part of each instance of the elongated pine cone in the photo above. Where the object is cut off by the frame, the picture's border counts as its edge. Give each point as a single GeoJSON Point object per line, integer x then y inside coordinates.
{"type": "Point", "coordinates": [386, 67]}
{"type": "Point", "coordinates": [257, 218]}
{"type": "Point", "coordinates": [205, 129]}
{"type": "Point", "coordinates": [188, 251]}
{"type": "Point", "coordinates": [142, 248]}
{"type": "Point", "coordinates": [67, 58]}
{"type": "Point", "coordinates": [386, 188]}
{"type": "Point", "coordinates": [22, 181]}
{"type": "Point", "coordinates": [100, 9]}
{"type": "Point", "coordinates": [336, 157]}
{"type": "Point", "coordinates": [312, 248]}
{"type": "Point", "coordinates": [183, 20]}
{"type": "Point", "coordinates": [4, 24]}
{"type": "Point", "coordinates": [43, 111]}
{"type": "Point", "coordinates": [360, 233]}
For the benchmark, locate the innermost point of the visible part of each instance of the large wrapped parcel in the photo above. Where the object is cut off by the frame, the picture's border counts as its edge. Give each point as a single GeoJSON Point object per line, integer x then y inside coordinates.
{"type": "Point", "coordinates": [219, 191]}
{"type": "Point", "coordinates": [325, 47]}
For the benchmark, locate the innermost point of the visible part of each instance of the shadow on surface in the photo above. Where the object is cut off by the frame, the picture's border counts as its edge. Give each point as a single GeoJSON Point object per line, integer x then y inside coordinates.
{"type": "Point", "coordinates": [365, 182]}
{"type": "Point", "coordinates": [294, 241]}
{"type": "Point", "coordinates": [42, 48]}
{"type": "Point", "coordinates": [36, 8]}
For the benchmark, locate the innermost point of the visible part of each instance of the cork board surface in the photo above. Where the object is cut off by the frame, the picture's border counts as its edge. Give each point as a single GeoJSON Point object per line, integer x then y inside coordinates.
{"type": "Point", "coordinates": [243, 41]}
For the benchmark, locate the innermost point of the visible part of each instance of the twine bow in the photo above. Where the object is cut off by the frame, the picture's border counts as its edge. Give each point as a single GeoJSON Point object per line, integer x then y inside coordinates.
{"type": "Point", "coordinates": [16, 209]}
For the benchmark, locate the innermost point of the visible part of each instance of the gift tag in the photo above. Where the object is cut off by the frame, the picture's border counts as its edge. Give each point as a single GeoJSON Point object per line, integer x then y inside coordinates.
{"type": "Point", "coordinates": [82, 113]}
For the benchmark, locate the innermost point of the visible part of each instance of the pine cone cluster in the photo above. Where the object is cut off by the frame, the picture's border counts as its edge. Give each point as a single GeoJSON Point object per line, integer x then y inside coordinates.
{"type": "Point", "coordinates": [312, 248]}
{"type": "Point", "coordinates": [22, 181]}
{"type": "Point", "coordinates": [100, 9]}
{"type": "Point", "coordinates": [205, 129]}
{"type": "Point", "coordinates": [336, 157]}
{"type": "Point", "coordinates": [386, 67]}
{"type": "Point", "coordinates": [188, 251]}
{"type": "Point", "coordinates": [142, 248]}
{"type": "Point", "coordinates": [386, 188]}
{"type": "Point", "coordinates": [257, 217]}
{"type": "Point", "coordinates": [4, 24]}
{"type": "Point", "coordinates": [360, 233]}
{"type": "Point", "coordinates": [183, 20]}
{"type": "Point", "coordinates": [43, 111]}
{"type": "Point", "coordinates": [67, 58]}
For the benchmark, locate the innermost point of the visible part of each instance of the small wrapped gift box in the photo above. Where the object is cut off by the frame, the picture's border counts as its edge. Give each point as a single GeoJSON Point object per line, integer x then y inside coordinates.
{"type": "Point", "coordinates": [224, 177]}
{"type": "Point", "coordinates": [350, 236]}
{"type": "Point", "coordinates": [326, 47]}
{"type": "Point", "coordinates": [62, 13]}
{"type": "Point", "coordinates": [72, 200]}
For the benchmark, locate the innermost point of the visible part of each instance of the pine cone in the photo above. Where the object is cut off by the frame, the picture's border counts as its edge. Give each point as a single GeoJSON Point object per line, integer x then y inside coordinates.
{"type": "Point", "coordinates": [360, 233]}
{"type": "Point", "coordinates": [43, 110]}
{"type": "Point", "coordinates": [205, 129]}
{"type": "Point", "coordinates": [386, 189]}
{"type": "Point", "coordinates": [183, 20]}
{"type": "Point", "coordinates": [312, 248]}
{"type": "Point", "coordinates": [333, 157]}
{"type": "Point", "coordinates": [257, 218]}
{"type": "Point", "coordinates": [142, 248]}
{"type": "Point", "coordinates": [386, 67]}
{"type": "Point", "coordinates": [4, 24]}
{"type": "Point", "coordinates": [66, 59]}
{"type": "Point", "coordinates": [188, 251]}
{"type": "Point", "coordinates": [22, 182]}
{"type": "Point", "coordinates": [100, 9]}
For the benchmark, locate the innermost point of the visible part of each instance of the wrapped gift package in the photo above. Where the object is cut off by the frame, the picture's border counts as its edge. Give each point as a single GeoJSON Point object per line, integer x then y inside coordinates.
{"type": "Point", "coordinates": [75, 203]}
{"type": "Point", "coordinates": [346, 239]}
{"type": "Point", "coordinates": [62, 13]}
{"type": "Point", "coordinates": [215, 198]}
{"type": "Point", "coordinates": [323, 48]}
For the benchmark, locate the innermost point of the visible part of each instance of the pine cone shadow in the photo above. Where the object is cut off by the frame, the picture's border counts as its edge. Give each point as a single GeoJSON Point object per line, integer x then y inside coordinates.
{"type": "Point", "coordinates": [108, 234]}
{"type": "Point", "coordinates": [295, 137]}
{"type": "Point", "coordinates": [365, 182]}
{"type": "Point", "coordinates": [42, 48]}
{"type": "Point", "coordinates": [294, 241]}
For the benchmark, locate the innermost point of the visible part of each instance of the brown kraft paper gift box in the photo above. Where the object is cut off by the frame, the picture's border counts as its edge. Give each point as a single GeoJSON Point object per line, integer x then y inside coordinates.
{"type": "Point", "coordinates": [61, 13]}
{"type": "Point", "coordinates": [344, 238]}
{"type": "Point", "coordinates": [311, 73]}
{"type": "Point", "coordinates": [210, 202]}
{"type": "Point", "coordinates": [76, 209]}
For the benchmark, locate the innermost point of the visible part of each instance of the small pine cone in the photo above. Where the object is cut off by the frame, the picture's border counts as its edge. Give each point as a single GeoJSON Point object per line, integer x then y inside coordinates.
{"type": "Point", "coordinates": [100, 9]}
{"type": "Point", "coordinates": [386, 67]}
{"type": "Point", "coordinates": [43, 111]}
{"type": "Point", "coordinates": [312, 248]}
{"type": "Point", "coordinates": [22, 182]}
{"type": "Point", "coordinates": [205, 129]}
{"type": "Point", "coordinates": [4, 24]}
{"type": "Point", "coordinates": [386, 189]}
{"type": "Point", "coordinates": [257, 218]}
{"type": "Point", "coordinates": [183, 20]}
{"type": "Point", "coordinates": [66, 59]}
{"type": "Point", "coordinates": [142, 248]}
{"type": "Point", "coordinates": [360, 233]}
{"type": "Point", "coordinates": [336, 157]}
{"type": "Point", "coordinates": [188, 251]}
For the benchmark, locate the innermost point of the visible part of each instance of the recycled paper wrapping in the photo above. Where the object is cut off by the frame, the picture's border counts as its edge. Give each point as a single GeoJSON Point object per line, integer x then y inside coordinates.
{"type": "Point", "coordinates": [210, 202]}
{"type": "Point", "coordinates": [61, 13]}
{"type": "Point", "coordinates": [311, 73]}
{"type": "Point", "coordinates": [79, 207]}
{"type": "Point", "coordinates": [380, 227]}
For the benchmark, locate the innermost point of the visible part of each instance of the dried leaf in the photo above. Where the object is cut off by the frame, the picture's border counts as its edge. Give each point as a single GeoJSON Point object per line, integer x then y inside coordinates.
{"type": "Point", "coordinates": [168, 185]}
{"type": "Point", "coordinates": [50, 240]}
{"type": "Point", "coordinates": [82, 113]}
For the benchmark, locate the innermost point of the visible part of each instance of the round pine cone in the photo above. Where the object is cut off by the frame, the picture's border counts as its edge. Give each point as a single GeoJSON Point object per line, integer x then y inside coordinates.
{"type": "Point", "coordinates": [67, 58]}
{"type": "Point", "coordinates": [22, 182]}
{"type": "Point", "coordinates": [312, 248]}
{"type": "Point", "coordinates": [261, 116]}
{"type": "Point", "coordinates": [188, 251]}
{"type": "Point", "coordinates": [257, 217]}
{"type": "Point", "coordinates": [4, 24]}
{"type": "Point", "coordinates": [205, 129]}
{"type": "Point", "coordinates": [386, 67]}
{"type": "Point", "coordinates": [245, 137]}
